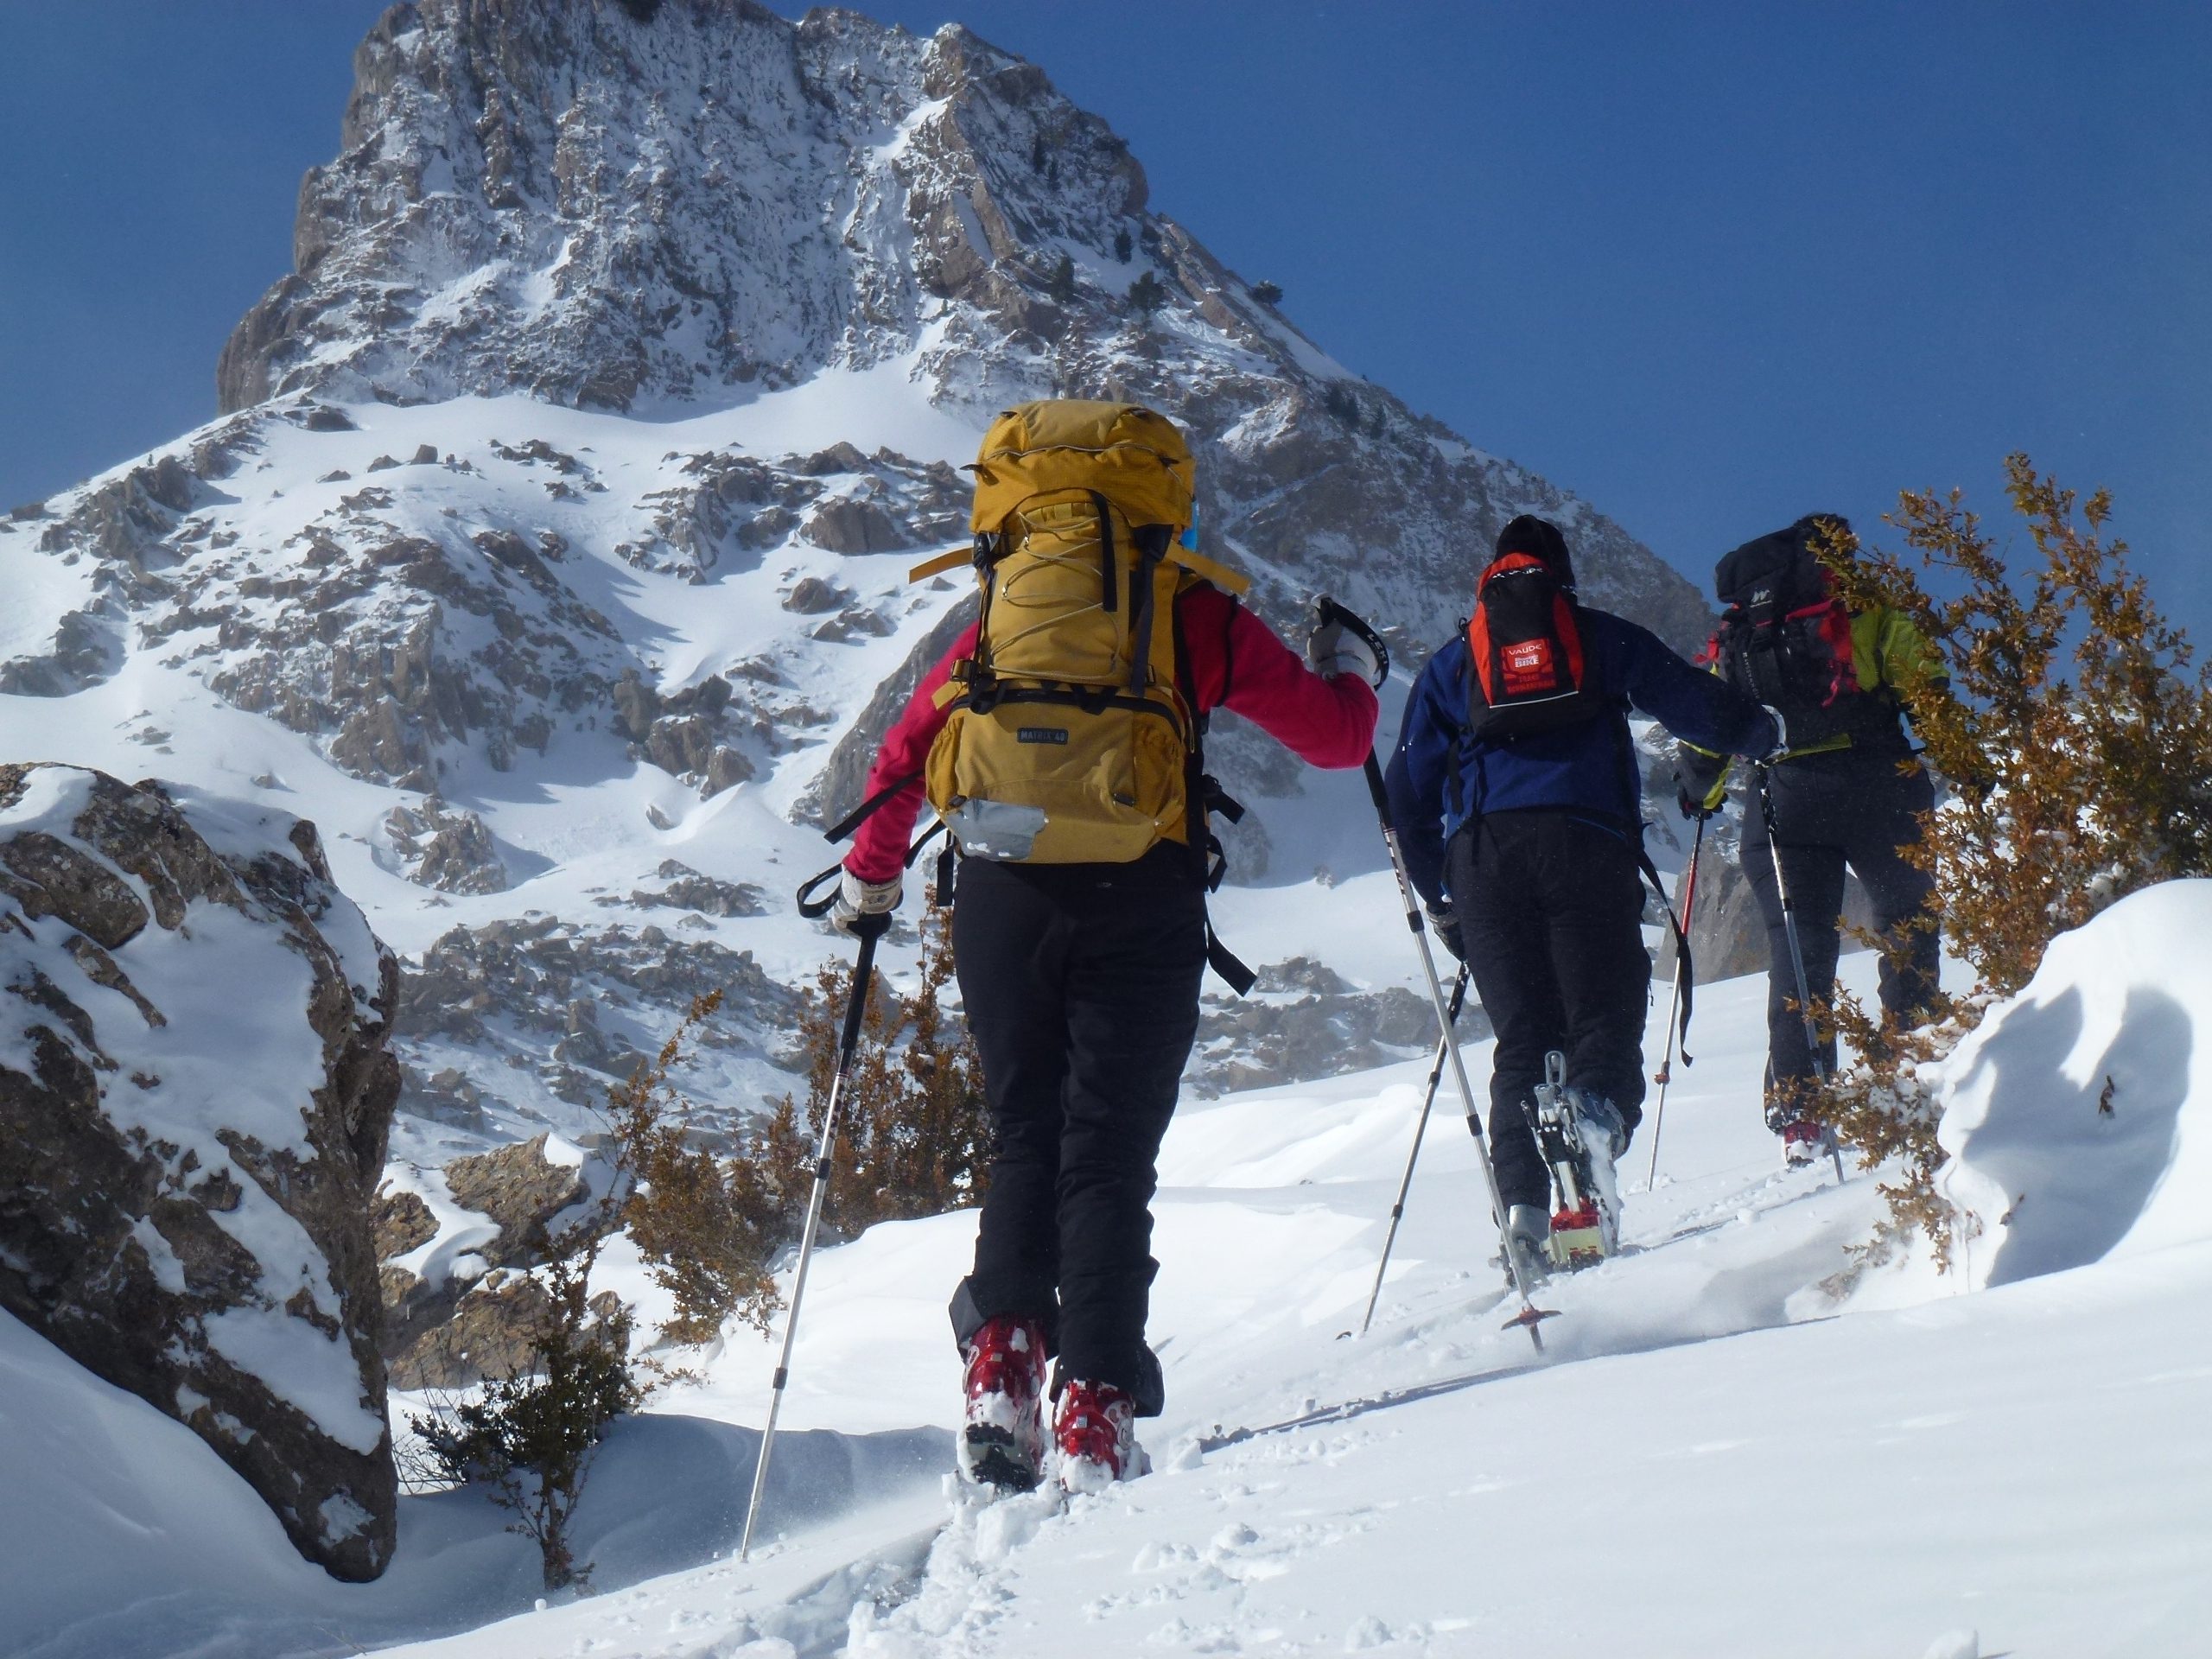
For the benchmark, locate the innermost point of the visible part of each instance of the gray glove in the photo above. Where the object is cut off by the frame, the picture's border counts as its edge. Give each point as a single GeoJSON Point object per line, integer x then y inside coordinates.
{"type": "Point", "coordinates": [1332, 649]}
{"type": "Point", "coordinates": [856, 899]}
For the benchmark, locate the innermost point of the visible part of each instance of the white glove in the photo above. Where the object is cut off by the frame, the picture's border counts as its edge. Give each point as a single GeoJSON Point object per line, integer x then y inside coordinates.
{"type": "Point", "coordinates": [1781, 735]}
{"type": "Point", "coordinates": [856, 899]}
{"type": "Point", "coordinates": [1332, 649]}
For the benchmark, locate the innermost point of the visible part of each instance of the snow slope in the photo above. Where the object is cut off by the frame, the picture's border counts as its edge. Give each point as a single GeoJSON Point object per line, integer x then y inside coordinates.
{"type": "Point", "coordinates": [1711, 1459]}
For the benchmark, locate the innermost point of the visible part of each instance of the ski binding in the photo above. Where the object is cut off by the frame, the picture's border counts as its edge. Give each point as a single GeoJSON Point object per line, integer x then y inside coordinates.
{"type": "Point", "coordinates": [1583, 1227]}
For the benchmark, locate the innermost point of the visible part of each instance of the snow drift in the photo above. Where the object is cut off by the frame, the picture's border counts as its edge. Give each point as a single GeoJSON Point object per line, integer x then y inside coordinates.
{"type": "Point", "coordinates": [2078, 1116]}
{"type": "Point", "coordinates": [124, 1537]}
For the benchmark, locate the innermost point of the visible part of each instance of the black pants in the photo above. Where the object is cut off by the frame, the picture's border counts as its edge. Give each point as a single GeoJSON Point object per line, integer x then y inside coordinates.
{"type": "Point", "coordinates": [1081, 985]}
{"type": "Point", "coordinates": [1551, 909]}
{"type": "Point", "coordinates": [1830, 810]}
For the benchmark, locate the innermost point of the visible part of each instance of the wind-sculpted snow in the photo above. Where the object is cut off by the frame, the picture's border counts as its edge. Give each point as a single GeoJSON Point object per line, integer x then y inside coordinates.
{"type": "Point", "coordinates": [2078, 1116]}
{"type": "Point", "coordinates": [2024, 1463]}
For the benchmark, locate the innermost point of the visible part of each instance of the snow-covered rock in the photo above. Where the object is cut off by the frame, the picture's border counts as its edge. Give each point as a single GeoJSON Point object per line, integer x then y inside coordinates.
{"type": "Point", "coordinates": [194, 1096]}
{"type": "Point", "coordinates": [2078, 1115]}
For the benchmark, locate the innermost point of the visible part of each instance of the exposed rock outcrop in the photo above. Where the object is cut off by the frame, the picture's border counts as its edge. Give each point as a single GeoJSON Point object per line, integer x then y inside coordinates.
{"type": "Point", "coordinates": [194, 1095]}
{"type": "Point", "coordinates": [441, 846]}
{"type": "Point", "coordinates": [1302, 1020]}
{"type": "Point", "coordinates": [583, 242]}
{"type": "Point", "coordinates": [461, 1308]}
{"type": "Point", "coordinates": [567, 1010]}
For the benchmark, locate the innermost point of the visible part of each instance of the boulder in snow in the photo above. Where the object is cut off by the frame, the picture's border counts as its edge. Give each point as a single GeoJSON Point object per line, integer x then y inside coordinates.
{"type": "Point", "coordinates": [194, 1094]}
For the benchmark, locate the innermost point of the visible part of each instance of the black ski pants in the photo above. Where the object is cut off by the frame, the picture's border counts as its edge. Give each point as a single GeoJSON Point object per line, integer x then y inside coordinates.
{"type": "Point", "coordinates": [1831, 810]}
{"type": "Point", "coordinates": [1551, 909]}
{"type": "Point", "coordinates": [1080, 983]}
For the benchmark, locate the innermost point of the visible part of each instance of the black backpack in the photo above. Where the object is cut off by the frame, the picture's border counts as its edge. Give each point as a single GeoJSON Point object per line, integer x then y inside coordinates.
{"type": "Point", "coordinates": [1524, 650]}
{"type": "Point", "coordinates": [1785, 635]}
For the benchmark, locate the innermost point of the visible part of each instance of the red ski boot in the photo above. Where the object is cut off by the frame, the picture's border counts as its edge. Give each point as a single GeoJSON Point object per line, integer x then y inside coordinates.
{"type": "Point", "coordinates": [1002, 1441]}
{"type": "Point", "coordinates": [1096, 1432]}
{"type": "Point", "coordinates": [1805, 1142]}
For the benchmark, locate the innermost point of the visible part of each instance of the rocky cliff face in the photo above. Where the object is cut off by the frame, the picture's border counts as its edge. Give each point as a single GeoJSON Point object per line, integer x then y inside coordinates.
{"type": "Point", "coordinates": [657, 208]}
{"type": "Point", "coordinates": [194, 1095]}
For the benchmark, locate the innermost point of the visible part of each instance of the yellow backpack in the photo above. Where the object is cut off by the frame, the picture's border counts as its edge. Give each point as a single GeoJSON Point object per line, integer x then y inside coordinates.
{"type": "Point", "coordinates": [1069, 738]}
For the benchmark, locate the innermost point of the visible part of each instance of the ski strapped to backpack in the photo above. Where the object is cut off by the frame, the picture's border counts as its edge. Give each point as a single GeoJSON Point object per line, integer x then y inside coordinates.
{"type": "Point", "coordinates": [1071, 733]}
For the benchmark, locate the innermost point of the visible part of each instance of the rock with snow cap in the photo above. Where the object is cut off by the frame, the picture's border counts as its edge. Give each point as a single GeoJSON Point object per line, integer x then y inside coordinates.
{"type": "Point", "coordinates": [194, 1095]}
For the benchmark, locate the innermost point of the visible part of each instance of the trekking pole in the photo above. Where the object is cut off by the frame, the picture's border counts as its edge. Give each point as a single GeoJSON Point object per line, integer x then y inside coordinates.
{"type": "Point", "coordinates": [1686, 901]}
{"type": "Point", "coordinates": [867, 928]}
{"type": "Point", "coordinates": [1796, 958]}
{"type": "Point", "coordinates": [1529, 1314]}
{"type": "Point", "coordinates": [1420, 1128]}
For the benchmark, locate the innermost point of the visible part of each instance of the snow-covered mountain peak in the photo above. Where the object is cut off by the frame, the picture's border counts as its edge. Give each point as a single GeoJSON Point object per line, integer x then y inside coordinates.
{"type": "Point", "coordinates": [635, 206]}
{"type": "Point", "coordinates": [665, 209]}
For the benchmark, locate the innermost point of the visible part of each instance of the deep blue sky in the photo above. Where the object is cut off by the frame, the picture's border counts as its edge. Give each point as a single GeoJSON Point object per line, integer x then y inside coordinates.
{"type": "Point", "coordinates": [1709, 265]}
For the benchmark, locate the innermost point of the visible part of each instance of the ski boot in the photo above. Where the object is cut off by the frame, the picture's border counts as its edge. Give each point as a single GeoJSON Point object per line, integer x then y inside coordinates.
{"type": "Point", "coordinates": [1806, 1142]}
{"type": "Point", "coordinates": [1578, 1134]}
{"type": "Point", "coordinates": [1529, 1236]}
{"type": "Point", "coordinates": [1095, 1433]}
{"type": "Point", "coordinates": [1002, 1438]}
{"type": "Point", "coordinates": [1805, 1138]}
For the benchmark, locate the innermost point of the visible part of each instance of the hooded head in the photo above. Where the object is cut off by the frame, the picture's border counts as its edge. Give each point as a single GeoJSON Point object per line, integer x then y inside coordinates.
{"type": "Point", "coordinates": [1539, 537]}
{"type": "Point", "coordinates": [1759, 560]}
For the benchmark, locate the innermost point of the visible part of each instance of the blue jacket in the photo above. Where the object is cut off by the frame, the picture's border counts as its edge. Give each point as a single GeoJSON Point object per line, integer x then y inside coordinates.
{"type": "Point", "coordinates": [1441, 776]}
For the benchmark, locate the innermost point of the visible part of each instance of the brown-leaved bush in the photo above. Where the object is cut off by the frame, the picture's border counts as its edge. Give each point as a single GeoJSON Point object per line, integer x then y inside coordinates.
{"type": "Point", "coordinates": [2077, 739]}
{"type": "Point", "coordinates": [913, 1137]}
{"type": "Point", "coordinates": [707, 1226]}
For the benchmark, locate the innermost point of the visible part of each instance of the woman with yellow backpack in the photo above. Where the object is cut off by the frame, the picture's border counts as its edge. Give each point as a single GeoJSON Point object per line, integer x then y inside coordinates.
{"type": "Point", "coordinates": [1060, 739]}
